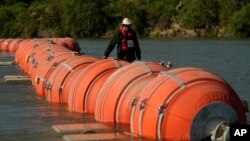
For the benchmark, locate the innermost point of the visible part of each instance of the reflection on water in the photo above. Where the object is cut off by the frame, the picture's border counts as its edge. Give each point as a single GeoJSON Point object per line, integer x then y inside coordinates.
{"type": "Point", "coordinates": [25, 116]}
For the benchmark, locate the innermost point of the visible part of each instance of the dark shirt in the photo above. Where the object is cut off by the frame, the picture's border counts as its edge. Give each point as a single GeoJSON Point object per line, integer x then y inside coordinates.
{"type": "Point", "coordinates": [130, 54]}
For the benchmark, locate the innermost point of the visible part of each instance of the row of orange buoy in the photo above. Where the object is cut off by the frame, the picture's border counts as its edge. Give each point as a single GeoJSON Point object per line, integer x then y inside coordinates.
{"type": "Point", "coordinates": [9, 45]}
{"type": "Point", "coordinates": [12, 45]}
{"type": "Point", "coordinates": [158, 102]}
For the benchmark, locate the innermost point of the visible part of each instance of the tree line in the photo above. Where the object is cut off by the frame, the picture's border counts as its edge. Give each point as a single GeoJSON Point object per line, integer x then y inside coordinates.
{"type": "Point", "coordinates": [96, 18]}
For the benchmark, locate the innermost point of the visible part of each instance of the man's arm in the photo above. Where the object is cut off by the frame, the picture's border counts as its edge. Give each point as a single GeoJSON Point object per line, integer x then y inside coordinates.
{"type": "Point", "coordinates": [111, 45]}
{"type": "Point", "coordinates": [137, 48]}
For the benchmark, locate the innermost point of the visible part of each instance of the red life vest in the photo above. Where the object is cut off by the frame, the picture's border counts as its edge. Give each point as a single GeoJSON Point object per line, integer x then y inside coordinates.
{"type": "Point", "coordinates": [127, 40]}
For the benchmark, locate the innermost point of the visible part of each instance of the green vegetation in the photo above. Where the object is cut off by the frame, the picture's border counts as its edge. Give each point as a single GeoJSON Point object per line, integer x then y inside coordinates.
{"type": "Point", "coordinates": [96, 18]}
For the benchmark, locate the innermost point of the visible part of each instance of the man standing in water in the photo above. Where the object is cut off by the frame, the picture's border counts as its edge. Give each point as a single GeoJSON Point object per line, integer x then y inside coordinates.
{"type": "Point", "coordinates": [128, 48]}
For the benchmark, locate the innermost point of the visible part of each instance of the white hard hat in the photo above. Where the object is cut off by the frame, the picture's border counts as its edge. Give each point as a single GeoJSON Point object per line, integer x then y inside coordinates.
{"type": "Point", "coordinates": [126, 21]}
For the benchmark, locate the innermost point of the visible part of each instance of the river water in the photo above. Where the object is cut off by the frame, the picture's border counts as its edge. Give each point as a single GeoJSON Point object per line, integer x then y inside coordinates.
{"type": "Point", "coordinates": [25, 116]}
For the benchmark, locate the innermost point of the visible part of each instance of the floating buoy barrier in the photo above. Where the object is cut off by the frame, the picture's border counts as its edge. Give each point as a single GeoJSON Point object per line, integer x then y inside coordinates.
{"type": "Point", "coordinates": [119, 83]}
{"type": "Point", "coordinates": [55, 82]}
{"type": "Point", "coordinates": [44, 70]}
{"type": "Point", "coordinates": [42, 53]}
{"type": "Point", "coordinates": [83, 92]}
{"type": "Point", "coordinates": [157, 101]}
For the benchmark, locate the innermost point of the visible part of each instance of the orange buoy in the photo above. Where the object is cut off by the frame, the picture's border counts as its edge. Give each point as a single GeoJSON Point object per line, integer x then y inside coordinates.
{"type": "Point", "coordinates": [19, 51]}
{"type": "Point", "coordinates": [5, 45]}
{"type": "Point", "coordinates": [42, 73]}
{"type": "Point", "coordinates": [67, 42]}
{"type": "Point", "coordinates": [93, 91]}
{"type": "Point", "coordinates": [69, 82]}
{"type": "Point", "coordinates": [42, 53]}
{"type": "Point", "coordinates": [72, 44]}
{"type": "Point", "coordinates": [59, 41]}
{"type": "Point", "coordinates": [22, 54]}
{"type": "Point", "coordinates": [83, 92]}
{"type": "Point", "coordinates": [185, 104]}
{"type": "Point", "coordinates": [27, 46]}
{"type": "Point", "coordinates": [129, 96]}
{"type": "Point", "coordinates": [39, 47]}
{"type": "Point", "coordinates": [119, 82]}
{"type": "Point", "coordinates": [54, 84]}
{"type": "Point", "coordinates": [14, 45]}
{"type": "Point", "coordinates": [1, 41]}
{"type": "Point", "coordinates": [38, 62]}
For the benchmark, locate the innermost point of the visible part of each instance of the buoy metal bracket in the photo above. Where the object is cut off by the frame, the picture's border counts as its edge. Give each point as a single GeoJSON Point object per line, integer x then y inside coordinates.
{"type": "Point", "coordinates": [143, 104]}
{"type": "Point", "coordinates": [133, 102]}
